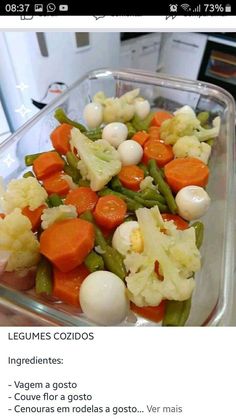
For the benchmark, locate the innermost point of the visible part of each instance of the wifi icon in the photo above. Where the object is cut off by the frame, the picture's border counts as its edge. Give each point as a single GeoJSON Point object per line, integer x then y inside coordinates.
{"type": "Point", "coordinates": [186, 7]}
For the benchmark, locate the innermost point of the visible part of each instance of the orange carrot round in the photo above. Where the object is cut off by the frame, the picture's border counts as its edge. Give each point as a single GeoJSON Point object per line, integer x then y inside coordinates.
{"type": "Point", "coordinates": [140, 137]}
{"type": "Point", "coordinates": [159, 151]}
{"type": "Point", "coordinates": [186, 171]}
{"type": "Point", "coordinates": [110, 211]}
{"type": "Point", "coordinates": [2, 215]}
{"type": "Point", "coordinates": [66, 286]}
{"type": "Point", "coordinates": [154, 133]}
{"type": "Point", "coordinates": [83, 198]}
{"type": "Point", "coordinates": [56, 184]}
{"type": "Point", "coordinates": [60, 138]}
{"type": "Point", "coordinates": [34, 216]}
{"type": "Point", "coordinates": [47, 164]}
{"type": "Point", "coordinates": [67, 243]}
{"type": "Point", "coordinates": [131, 176]}
{"type": "Point", "coordinates": [179, 222]}
{"type": "Point", "coordinates": [159, 117]}
{"type": "Point", "coordinates": [155, 314]}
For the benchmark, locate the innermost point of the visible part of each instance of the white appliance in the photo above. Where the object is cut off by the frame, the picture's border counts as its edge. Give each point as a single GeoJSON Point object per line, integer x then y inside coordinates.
{"type": "Point", "coordinates": [31, 61]}
{"type": "Point", "coordinates": [181, 56]}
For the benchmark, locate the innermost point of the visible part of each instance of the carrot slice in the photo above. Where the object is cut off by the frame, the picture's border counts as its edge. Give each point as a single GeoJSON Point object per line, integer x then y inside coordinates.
{"type": "Point", "coordinates": [154, 133]}
{"type": "Point", "coordinates": [186, 171]}
{"type": "Point", "coordinates": [2, 215]}
{"type": "Point", "coordinates": [56, 184]}
{"type": "Point", "coordinates": [34, 216]}
{"type": "Point", "coordinates": [159, 151]}
{"type": "Point", "coordinates": [140, 137]}
{"type": "Point", "coordinates": [131, 176]}
{"type": "Point", "coordinates": [67, 243]}
{"type": "Point", "coordinates": [66, 286]}
{"type": "Point", "coordinates": [179, 222]}
{"type": "Point", "coordinates": [110, 211]}
{"type": "Point", "coordinates": [60, 138]}
{"type": "Point", "coordinates": [83, 198]}
{"type": "Point", "coordinates": [159, 117]}
{"type": "Point", "coordinates": [155, 314]}
{"type": "Point", "coordinates": [47, 164]}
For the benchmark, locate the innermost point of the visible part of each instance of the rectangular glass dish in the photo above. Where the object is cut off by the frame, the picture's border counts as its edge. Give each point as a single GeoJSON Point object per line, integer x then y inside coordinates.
{"type": "Point", "coordinates": [213, 297]}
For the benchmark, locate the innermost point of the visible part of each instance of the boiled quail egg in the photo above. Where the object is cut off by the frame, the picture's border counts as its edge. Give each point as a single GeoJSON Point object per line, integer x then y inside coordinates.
{"type": "Point", "coordinates": [142, 108]}
{"type": "Point", "coordinates": [130, 152]}
{"type": "Point", "coordinates": [115, 133]}
{"type": "Point", "coordinates": [192, 202]}
{"type": "Point", "coordinates": [103, 298]}
{"type": "Point", "coordinates": [93, 114]}
{"type": "Point", "coordinates": [127, 237]}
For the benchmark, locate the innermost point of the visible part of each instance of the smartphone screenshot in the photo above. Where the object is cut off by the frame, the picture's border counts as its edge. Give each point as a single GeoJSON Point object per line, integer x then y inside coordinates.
{"type": "Point", "coordinates": [117, 210]}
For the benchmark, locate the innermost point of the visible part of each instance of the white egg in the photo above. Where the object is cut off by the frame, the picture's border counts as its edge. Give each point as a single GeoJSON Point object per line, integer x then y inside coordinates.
{"type": "Point", "coordinates": [93, 114]}
{"type": "Point", "coordinates": [192, 202]}
{"type": "Point", "coordinates": [103, 298]}
{"type": "Point", "coordinates": [142, 108]}
{"type": "Point", "coordinates": [115, 133]}
{"type": "Point", "coordinates": [127, 237]}
{"type": "Point", "coordinates": [130, 152]}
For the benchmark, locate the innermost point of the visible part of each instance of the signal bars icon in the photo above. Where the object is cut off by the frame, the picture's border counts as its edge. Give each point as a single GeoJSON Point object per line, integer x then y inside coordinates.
{"type": "Point", "coordinates": [197, 9]}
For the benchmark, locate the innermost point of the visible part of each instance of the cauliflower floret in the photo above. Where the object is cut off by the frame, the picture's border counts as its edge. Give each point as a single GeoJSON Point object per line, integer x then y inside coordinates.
{"type": "Point", "coordinates": [62, 212]}
{"type": "Point", "coordinates": [186, 123]}
{"type": "Point", "coordinates": [178, 259]}
{"type": "Point", "coordinates": [190, 146]}
{"type": "Point", "coordinates": [23, 192]}
{"type": "Point", "coordinates": [17, 238]}
{"type": "Point", "coordinates": [147, 182]}
{"type": "Point", "coordinates": [120, 109]}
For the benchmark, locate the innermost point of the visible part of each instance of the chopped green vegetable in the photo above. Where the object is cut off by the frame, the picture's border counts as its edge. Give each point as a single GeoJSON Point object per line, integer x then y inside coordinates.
{"type": "Point", "coordinates": [162, 186]}
{"type": "Point", "coordinates": [63, 119]}
{"type": "Point", "coordinates": [43, 280]}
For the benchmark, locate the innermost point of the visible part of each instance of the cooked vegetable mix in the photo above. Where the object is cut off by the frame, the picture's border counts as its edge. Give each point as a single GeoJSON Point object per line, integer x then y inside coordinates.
{"type": "Point", "coordinates": [102, 219]}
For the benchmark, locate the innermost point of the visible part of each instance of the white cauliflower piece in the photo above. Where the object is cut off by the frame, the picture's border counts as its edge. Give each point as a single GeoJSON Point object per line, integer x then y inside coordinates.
{"type": "Point", "coordinates": [69, 180]}
{"type": "Point", "coordinates": [120, 109]}
{"type": "Point", "coordinates": [17, 238]}
{"type": "Point", "coordinates": [62, 212]}
{"type": "Point", "coordinates": [190, 146]}
{"type": "Point", "coordinates": [23, 192]}
{"type": "Point", "coordinates": [178, 259]}
{"type": "Point", "coordinates": [147, 182]}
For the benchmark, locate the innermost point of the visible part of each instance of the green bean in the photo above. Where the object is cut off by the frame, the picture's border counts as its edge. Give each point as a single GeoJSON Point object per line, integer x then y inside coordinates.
{"type": "Point", "coordinates": [176, 313]}
{"type": "Point", "coordinates": [28, 174]}
{"type": "Point", "coordinates": [113, 260]}
{"type": "Point", "coordinates": [30, 158]}
{"type": "Point", "coordinates": [149, 193]}
{"type": "Point", "coordinates": [132, 205]}
{"type": "Point", "coordinates": [94, 134]}
{"type": "Point", "coordinates": [144, 168]}
{"type": "Point", "coordinates": [43, 281]}
{"type": "Point", "coordinates": [63, 118]}
{"type": "Point", "coordinates": [142, 124]}
{"type": "Point", "coordinates": [199, 232]}
{"type": "Point", "coordinates": [94, 262]}
{"type": "Point", "coordinates": [131, 130]}
{"type": "Point", "coordinates": [135, 196]}
{"type": "Point", "coordinates": [73, 173]}
{"type": "Point", "coordinates": [72, 160]}
{"type": "Point", "coordinates": [54, 200]}
{"type": "Point", "coordinates": [162, 185]}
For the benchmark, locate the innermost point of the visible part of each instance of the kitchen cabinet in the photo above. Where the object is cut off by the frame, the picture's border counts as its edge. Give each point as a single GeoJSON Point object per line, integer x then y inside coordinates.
{"type": "Point", "coordinates": [141, 53]}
